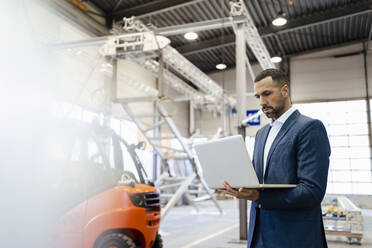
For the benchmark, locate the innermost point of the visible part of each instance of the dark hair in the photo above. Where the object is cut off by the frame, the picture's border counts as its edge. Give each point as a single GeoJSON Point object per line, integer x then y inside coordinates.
{"type": "Point", "coordinates": [277, 76]}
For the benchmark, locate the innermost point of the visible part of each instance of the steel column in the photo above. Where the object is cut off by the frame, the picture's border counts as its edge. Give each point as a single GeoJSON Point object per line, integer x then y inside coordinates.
{"type": "Point", "coordinates": [114, 85]}
{"type": "Point", "coordinates": [156, 159]}
{"type": "Point", "coordinates": [157, 118]}
{"type": "Point", "coordinates": [241, 81]}
{"type": "Point", "coordinates": [161, 75]}
{"type": "Point", "coordinates": [191, 118]}
{"type": "Point", "coordinates": [241, 89]}
{"type": "Point", "coordinates": [243, 204]}
{"type": "Point", "coordinates": [230, 120]}
{"type": "Point", "coordinates": [367, 95]}
{"type": "Point", "coordinates": [201, 26]}
{"type": "Point", "coordinates": [251, 73]}
{"type": "Point", "coordinates": [224, 121]}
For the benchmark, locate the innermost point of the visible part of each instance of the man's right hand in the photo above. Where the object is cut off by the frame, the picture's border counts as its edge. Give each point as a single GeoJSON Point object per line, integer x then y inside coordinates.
{"type": "Point", "coordinates": [242, 193]}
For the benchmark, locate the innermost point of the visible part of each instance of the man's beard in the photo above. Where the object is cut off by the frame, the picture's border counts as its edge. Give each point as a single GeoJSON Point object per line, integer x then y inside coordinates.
{"type": "Point", "coordinates": [275, 113]}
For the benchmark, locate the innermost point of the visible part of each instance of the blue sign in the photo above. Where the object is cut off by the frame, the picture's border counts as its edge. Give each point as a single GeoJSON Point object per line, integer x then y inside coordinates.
{"type": "Point", "coordinates": [233, 111]}
{"type": "Point", "coordinates": [255, 121]}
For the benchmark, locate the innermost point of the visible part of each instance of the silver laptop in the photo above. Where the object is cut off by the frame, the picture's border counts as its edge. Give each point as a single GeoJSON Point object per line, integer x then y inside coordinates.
{"type": "Point", "coordinates": [227, 159]}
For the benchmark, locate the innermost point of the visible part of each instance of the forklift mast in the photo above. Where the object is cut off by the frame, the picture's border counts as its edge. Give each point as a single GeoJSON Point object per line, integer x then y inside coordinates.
{"type": "Point", "coordinates": [117, 141]}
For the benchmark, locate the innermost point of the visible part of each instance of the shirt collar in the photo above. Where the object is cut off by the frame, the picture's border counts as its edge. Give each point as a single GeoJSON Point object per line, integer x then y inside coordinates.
{"type": "Point", "coordinates": [284, 116]}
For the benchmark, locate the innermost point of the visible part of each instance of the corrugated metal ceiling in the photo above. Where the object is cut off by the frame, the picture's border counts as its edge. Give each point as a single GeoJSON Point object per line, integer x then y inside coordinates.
{"type": "Point", "coordinates": [312, 25]}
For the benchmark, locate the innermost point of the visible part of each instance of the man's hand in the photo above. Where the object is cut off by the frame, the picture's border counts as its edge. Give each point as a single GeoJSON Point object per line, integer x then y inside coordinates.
{"type": "Point", "coordinates": [242, 193]}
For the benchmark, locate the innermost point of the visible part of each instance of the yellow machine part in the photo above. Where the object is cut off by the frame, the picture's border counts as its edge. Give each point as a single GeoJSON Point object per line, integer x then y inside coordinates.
{"type": "Point", "coordinates": [80, 5]}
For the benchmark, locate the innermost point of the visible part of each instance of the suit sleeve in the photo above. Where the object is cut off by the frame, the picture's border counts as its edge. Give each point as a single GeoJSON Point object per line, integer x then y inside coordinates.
{"type": "Point", "coordinates": [313, 153]}
{"type": "Point", "coordinates": [254, 147]}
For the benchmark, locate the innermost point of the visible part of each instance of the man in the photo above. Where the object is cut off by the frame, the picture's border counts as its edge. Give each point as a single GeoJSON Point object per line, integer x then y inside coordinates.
{"type": "Point", "coordinates": [292, 149]}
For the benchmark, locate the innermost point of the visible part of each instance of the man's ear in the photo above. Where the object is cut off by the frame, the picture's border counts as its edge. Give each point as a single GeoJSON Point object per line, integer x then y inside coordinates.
{"type": "Point", "coordinates": [285, 90]}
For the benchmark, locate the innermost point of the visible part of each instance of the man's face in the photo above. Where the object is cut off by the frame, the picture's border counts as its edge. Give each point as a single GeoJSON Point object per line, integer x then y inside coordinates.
{"type": "Point", "coordinates": [272, 97]}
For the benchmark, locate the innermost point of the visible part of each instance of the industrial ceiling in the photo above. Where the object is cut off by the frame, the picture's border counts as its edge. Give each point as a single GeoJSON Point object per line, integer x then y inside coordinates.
{"type": "Point", "coordinates": [313, 25]}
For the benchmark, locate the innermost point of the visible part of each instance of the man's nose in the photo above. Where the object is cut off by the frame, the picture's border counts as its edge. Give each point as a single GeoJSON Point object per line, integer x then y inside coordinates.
{"type": "Point", "coordinates": [262, 101]}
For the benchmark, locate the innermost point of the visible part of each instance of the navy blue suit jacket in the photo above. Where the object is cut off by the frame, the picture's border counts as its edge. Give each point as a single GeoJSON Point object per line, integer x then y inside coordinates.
{"type": "Point", "coordinates": [291, 217]}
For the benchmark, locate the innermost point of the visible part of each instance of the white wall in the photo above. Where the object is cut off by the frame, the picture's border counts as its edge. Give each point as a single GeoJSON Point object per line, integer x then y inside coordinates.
{"type": "Point", "coordinates": [314, 77]}
{"type": "Point", "coordinates": [322, 77]}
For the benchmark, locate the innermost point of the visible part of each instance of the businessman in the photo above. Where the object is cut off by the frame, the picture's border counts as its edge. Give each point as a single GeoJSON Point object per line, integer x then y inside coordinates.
{"type": "Point", "coordinates": [292, 149]}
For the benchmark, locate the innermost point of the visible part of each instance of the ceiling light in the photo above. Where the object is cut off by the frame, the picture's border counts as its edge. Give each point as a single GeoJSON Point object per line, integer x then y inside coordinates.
{"type": "Point", "coordinates": [191, 36]}
{"type": "Point", "coordinates": [221, 66]}
{"type": "Point", "coordinates": [276, 59]}
{"type": "Point", "coordinates": [280, 20]}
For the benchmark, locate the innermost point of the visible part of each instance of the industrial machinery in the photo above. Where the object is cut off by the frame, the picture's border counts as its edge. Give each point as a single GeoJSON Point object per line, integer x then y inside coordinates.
{"type": "Point", "coordinates": [97, 205]}
{"type": "Point", "coordinates": [136, 42]}
{"type": "Point", "coordinates": [189, 185]}
{"type": "Point", "coordinates": [342, 218]}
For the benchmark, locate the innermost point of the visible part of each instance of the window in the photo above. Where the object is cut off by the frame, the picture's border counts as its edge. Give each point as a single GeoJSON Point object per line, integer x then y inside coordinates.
{"type": "Point", "coordinates": [125, 129]}
{"type": "Point", "coordinates": [347, 128]}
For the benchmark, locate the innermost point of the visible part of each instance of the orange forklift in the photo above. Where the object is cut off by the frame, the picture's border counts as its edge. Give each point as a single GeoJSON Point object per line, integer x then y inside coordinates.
{"type": "Point", "coordinates": [96, 205]}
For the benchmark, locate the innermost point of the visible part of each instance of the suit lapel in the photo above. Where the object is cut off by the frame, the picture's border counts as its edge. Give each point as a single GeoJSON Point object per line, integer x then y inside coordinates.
{"type": "Point", "coordinates": [285, 128]}
{"type": "Point", "coordinates": [260, 155]}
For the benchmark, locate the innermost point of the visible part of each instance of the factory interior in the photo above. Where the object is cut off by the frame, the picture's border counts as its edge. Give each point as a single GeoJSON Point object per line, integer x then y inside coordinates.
{"type": "Point", "coordinates": [115, 111]}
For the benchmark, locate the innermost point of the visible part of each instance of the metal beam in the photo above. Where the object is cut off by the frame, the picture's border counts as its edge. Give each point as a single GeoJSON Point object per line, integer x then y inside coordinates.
{"type": "Point", "coordinates": [77, 17]}
{"type": "Point", "coordinates": [250, 70]}
{"type": "Point", "coordinates": [208, 44]}
{"type": "Point", "coordinates": [190, 52]}
{"type": "Point", "coordinates": [319, 18]}
{"type": "Point", "coordinates": [148, 8]}
{"type": "Point", "coordinates": [279, 45]}
{"type": "Point", "coordinates": [96, 41]}
{"type": "Point", "coordinates": [267, 32]}
{"type": "Point", "coordinates": [201, 26]}
{"type": "Point", "coordinates": [349, 43]}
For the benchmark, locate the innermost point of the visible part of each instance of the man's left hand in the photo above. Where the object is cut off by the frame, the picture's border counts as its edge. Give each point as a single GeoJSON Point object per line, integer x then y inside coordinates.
{"type": "Point", "coordinates": [242, 193]}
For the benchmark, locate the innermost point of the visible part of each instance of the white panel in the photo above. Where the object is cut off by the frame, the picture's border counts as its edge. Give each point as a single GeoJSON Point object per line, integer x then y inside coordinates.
{"type": "Point", "coordinates": [327, 78]}
{"type": "Point", "coordinates": [207, 122]}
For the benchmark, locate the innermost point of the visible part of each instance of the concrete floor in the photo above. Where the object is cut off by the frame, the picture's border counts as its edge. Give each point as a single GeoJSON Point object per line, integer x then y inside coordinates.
{"type": "Point", "coordinates": [188, 227]}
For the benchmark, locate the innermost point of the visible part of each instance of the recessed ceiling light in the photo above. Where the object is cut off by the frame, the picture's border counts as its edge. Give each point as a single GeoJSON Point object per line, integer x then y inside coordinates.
{"type": "Point", "coordinates": [280, 20]}
{"type": "Point", "coordinates": [276, 59]}
{"type": "Point", "coordinates": [191, 36]}
{"type": "Point", "coordinates": [221, 66]}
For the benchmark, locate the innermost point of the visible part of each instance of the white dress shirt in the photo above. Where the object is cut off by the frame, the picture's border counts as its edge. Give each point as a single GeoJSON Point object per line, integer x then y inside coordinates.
{"type": "Point", "coordinates": [275, 128]}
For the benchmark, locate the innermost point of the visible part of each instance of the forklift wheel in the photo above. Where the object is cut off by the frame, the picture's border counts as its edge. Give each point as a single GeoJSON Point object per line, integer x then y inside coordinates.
{"type": "Point", "coordinates": [158, 242]}
{"type": "Point", "coordinates": [116, 240]}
